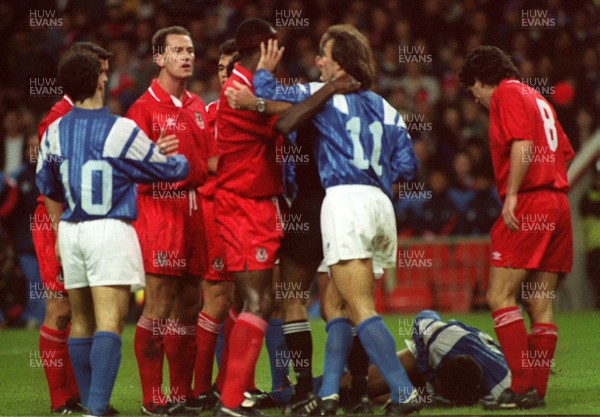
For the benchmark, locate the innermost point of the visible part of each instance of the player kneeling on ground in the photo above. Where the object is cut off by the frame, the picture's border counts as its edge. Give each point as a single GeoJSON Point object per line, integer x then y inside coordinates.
{"type": "Point", "coordinates": [92, 160]}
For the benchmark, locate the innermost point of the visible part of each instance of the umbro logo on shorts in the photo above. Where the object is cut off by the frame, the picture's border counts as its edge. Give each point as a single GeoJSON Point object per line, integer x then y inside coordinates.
{"type": "Point", "coordinates": [261, 254]}
{"type": "Point", "coordinates": [496, 256]}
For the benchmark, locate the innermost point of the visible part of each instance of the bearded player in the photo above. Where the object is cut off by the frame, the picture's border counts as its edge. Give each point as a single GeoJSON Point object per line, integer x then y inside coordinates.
{"type": "Point", "coordinates": [532, 242]}
{"type": "Point", "coordinates": [171, 228]}
{"type": "Point", "coordinates": [54, 332]}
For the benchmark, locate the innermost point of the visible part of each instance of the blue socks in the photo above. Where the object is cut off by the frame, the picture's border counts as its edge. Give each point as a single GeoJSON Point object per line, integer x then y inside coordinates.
{"type": "Point", "coordinates": [337, 349]}
{"type": "Point", "coordinates": [381, 348]}
{"type": "Point", "coordinates": [105, 358]}
{"type": "Point", "coordinates": [79, 351]}
{"type": "Point", "coordinates": [279, 356]}
{"type": "Point", "coordinates": [96, 362]}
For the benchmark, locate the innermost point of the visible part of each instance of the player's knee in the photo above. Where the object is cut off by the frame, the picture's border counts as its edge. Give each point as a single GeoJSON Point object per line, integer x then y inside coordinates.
{"type": "Point", "coordinates": [58, 313]}
{"type": "Point", "coordinates": [495, 301]}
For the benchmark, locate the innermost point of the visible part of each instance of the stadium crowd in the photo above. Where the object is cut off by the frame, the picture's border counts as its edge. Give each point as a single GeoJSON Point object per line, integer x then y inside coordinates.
{"type": "Point", "coordinates": [419, 47]}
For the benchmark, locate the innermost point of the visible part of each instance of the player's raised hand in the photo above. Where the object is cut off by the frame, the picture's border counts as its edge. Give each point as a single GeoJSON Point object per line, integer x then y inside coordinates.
{"type": "Point", "coordinates": [270, 55]}
{"type": "Point", "coordinates": [240, 97]}
{"type": "Point", "coordinates": [167, 144]}
{"type": "Point", "coordinates": [345, 84]}
{"type": "Point", "coordinates": [508, 212]}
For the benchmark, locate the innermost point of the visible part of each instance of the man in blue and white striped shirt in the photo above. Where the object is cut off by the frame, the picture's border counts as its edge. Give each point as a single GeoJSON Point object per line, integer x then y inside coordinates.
{"type": "Point", "coordinates": [92, 160]}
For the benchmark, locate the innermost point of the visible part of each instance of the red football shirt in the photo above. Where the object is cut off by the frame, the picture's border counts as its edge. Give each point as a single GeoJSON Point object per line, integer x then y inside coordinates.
{"type": "Point", "coordinates": [247, 147]}
{"type": "Point", "coordinates": [57, 111]}
{"type": "Point", "coordinates": [210, 186]}
{"type": "Point", "coordinates": [156, 109]}
{"type": "Point", "coordinates": [518, 111]}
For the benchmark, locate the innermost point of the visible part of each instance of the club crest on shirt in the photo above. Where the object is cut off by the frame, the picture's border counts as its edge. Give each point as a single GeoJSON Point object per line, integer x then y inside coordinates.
{"type": "Point", "coordinates": [60, 277]}
{"type": "Point", "coordinates": [218, 264]}
{"type": "Point", "coordinates": [200, 120]}
{"type": "Point", "coordinates": [261, 254]}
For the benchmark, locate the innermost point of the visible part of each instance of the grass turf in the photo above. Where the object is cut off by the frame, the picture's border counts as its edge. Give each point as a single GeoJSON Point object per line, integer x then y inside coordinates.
{"type": "Point", "coordinates": [573, 390]}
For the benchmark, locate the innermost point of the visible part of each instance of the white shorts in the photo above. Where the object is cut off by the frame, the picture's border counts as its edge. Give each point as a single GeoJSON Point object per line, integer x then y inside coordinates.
{"type": "Point", "coordinates": [324, 269]}
{"type": "Point", "coordinates": [99, 253]}
{"type": "Point", "coordinates": [358, 222]}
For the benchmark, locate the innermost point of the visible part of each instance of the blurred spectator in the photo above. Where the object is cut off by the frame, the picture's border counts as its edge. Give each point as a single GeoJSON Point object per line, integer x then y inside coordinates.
{"type": "Point", "coordinates": [416, 81]}
{"type": "Point", "coordinates": [461, 192]}
{"type": "Point", "coordinates": [590, 211]}
{"type": "Point", "coordinates": [13, 143]}
{"type": "Point", "coordinates": [17, 224]}
{"type": "Point", "coordinates": [12, 284]}
{"type": "Point", "coordinates": [484, 208]}
{"type": "Point", "coordinates": [439, 214]}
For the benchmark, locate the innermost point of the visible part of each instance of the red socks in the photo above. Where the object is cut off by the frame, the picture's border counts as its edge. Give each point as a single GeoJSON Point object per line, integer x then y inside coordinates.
{"type": "Point", "coordinates": [542, 344]}
{"type": "Point", "coordinates": [150, 350]}
{"type": "Point", "coordinates": [229, 324]}
{"type": "Point", "coordinates": [206, 340]}
{"type": "Point", "coordinates": [244, 348]}
{"type": "Point", "coordinates": [54, 352]}
{"type": "Point", "coordinates": [180, 348]}
{"type": "Point", "coordinates": [512, 335]}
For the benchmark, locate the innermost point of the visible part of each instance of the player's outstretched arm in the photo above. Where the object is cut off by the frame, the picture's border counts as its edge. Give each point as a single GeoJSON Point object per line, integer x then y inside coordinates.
{"type": "Point", "coordinates": [143, 161]}
{"type": "Point", "coordinates": [295, 116]}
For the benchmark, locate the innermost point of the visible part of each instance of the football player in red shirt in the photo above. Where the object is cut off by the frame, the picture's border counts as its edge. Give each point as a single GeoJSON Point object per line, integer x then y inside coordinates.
{"type": "Point", "coordinates": [218, 285]}
{"type": "Point", "coordinates": [54, 332]}
{"type": "Point", "coordinates": [170, 227]}
{"type": "Point", "coordinates": [246, 214]}
{"type": "Point", "coordinates": [532, 241]}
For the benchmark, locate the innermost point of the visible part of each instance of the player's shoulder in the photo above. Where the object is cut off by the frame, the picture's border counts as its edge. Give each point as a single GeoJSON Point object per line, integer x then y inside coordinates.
{"type": "Point", "coordinates": [195, 101]}
{"type": "Point", "coordinates": [511, 89]}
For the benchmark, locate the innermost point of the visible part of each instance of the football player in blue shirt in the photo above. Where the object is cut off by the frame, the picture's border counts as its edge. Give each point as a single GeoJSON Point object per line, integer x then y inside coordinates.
{"type": "Point", "coordinates": [92, 160]}
{"type": "Point", "coordinates": [364, 148]}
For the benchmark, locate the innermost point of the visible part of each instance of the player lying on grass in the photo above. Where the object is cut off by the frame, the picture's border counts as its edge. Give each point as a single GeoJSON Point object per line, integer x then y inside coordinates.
{"type": "Point", "coordinates": [92, 160]}
{"type": "Point", "coordinates": [438, 356]}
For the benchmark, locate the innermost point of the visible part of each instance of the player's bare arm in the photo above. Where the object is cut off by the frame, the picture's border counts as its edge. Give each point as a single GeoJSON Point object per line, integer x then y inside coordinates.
{"type": "Point", "coordinates": [241, 98]}
{"type": "Point", "coordinates": [520, 155]}
{"type": "Point", "coordinates": [55, 210]}
{"type": "Point", "coordinates": [295, 116]}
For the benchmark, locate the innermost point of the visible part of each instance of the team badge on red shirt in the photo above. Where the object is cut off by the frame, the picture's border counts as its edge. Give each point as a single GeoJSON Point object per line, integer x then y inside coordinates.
{"type": "Point", "coordinates": [218, 264]}
{"type": "Point", "coordinates": [200, 120]}
{"type": "Point", "coordinates": [261, 254]}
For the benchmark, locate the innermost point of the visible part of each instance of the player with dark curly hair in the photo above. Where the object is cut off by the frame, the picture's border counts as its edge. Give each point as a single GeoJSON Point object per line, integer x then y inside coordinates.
{"type": "Point", "coordinates": [532, 242]}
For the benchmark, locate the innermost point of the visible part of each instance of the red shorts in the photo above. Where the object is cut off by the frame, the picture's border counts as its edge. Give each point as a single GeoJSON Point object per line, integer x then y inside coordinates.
{"type": "Point", "coordinates": [171, 233]}
{"type": "Point", "coordinates": [216, 263]}
{"type": "Point", "coordinates": [44, 240]}
{"type": "Point", "coordinates": [248, 228]}
{"type": "Point", "coordinates": [544, 241]}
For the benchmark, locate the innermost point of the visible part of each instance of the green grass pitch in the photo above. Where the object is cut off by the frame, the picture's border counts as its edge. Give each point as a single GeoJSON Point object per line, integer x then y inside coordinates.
{"type": "Point", "coordinates": [574, 385]}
